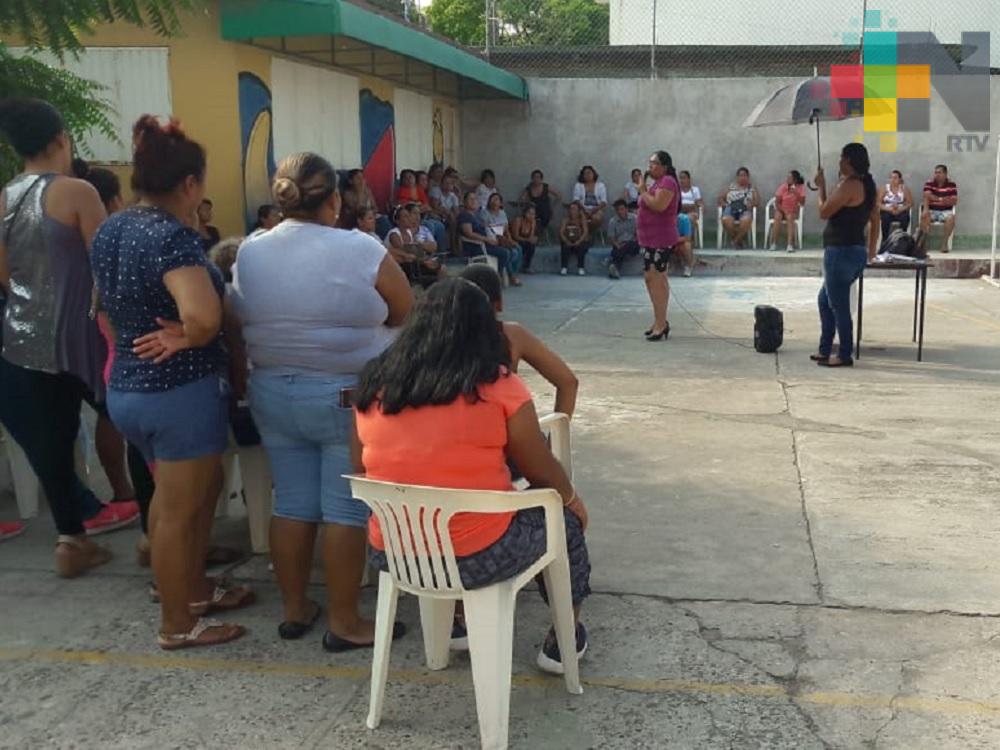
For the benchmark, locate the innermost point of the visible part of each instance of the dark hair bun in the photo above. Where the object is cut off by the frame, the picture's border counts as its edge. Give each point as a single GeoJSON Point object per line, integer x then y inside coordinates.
{"type": "Point", "coordinates": [164, 156]}
{"type": "Point", "coordinates": [30, 125]}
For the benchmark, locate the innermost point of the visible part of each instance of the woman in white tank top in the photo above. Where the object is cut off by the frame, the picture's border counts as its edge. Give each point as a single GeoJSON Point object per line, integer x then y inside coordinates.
{"type": "Point", "coordinates": [895, 201]}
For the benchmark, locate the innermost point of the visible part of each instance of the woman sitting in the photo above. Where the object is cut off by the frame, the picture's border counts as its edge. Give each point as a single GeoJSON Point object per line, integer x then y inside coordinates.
{"type": "Point", "coordinates": [574, 236]}
{"type": "Point", "coordinates": [476, 239]}
{"type": "Point", "coordinates": [592, 195]}
{"type": "Point", "coordinates": [495, 218]}
{"type": "Point", "coordinates": [691, 200]}
{"type": "Point", "coordinates": [738, 202]}
{"type": "Point", "coordinates": [486, 187]}
{"type": "Point", "coordinates": [788, 202]}
{"type": "Point", "coordinates": [442, 408]}
{"type": "Point", "coordinates": [358, 196]}
{"type": "Point", "coordinates": [895, 202]}
{"type": "Point", "coordinates": [524, 230]}
{"type": "Point", "coordinates": [413, 247]}
{"type": "Point", "coordinates": [410, 192]}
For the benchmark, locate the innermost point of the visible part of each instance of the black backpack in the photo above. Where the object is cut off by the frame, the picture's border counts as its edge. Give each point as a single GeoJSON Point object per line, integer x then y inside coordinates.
{"type": "Point", "coordinates": [768, 329]}
{"type": "Point", "coordinates": [899, 242]}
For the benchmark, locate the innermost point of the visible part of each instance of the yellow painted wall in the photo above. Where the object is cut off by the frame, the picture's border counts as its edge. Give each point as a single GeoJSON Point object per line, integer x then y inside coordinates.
{"type": "Point", "coordinates": [204, 80]}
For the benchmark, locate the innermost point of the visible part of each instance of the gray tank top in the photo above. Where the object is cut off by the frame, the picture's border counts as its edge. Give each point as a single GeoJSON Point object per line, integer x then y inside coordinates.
{"type": "Point", "coordinates": [47, 324]}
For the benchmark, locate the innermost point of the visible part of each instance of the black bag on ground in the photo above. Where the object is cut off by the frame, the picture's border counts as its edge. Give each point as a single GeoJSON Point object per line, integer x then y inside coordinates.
{"type": "Point", "coordinates": [903, 243]}
{"type": "Point", "coordinates": [768, 328]}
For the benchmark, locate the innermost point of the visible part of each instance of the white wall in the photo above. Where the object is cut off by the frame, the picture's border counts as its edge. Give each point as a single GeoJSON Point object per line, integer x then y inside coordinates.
{"type": "Point", "coordinates": [805, 22]}
{"type": "Point", "coordinates": [136, 81]}
{"type": "Point", "coordinates": [315, 109]}
{"type": "Point", "coordinates": [414, 129]}
{"type": "Point", "coordinates": [615, 124]}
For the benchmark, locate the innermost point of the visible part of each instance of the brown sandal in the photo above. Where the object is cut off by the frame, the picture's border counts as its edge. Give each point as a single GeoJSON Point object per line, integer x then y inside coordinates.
{"type": "Point", "coordinates": [206, 632]}
{"type": "Point", "coordinates": [74, 557]}
{"type": "Point", "coordinates": [819, 357]}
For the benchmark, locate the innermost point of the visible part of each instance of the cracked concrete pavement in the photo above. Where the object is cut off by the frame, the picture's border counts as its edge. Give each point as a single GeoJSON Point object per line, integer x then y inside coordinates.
{"type": "Point", "coordinates": [784, 557]}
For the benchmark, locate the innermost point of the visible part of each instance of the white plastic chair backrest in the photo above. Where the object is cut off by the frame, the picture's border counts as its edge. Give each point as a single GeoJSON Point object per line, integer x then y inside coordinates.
{"type": "Point", "coordinates": [771, 204]}
{"type": "Point", "coordinates": [414, 524]}
{"type": "Point", "coordinates": [556, 427]}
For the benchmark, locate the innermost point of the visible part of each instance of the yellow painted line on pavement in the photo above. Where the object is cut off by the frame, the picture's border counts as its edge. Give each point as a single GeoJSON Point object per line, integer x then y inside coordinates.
{"type": "Point", "coordinates": [947, 706]}
{"type": "Point", "coordinates": [962, 316]}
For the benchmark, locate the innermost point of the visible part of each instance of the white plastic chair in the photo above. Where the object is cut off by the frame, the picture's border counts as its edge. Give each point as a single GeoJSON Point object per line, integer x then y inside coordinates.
{"type": "Point", "coordinates": [920, 216]}
{"type": "Point", "coordinates": [483, 257]}
{"type": "Point", "coordinates": [414, 521]}
{"type": "Point", "coordinates": [555, 427]}
{"type": "Point", "coordinates": [770, 229]}
{"type": "Point", "coordinates": [248, 476]}
{"type": "Point", "coordinates": [753, 228]}
{"type": "Point", "coordinates": [701, 227]}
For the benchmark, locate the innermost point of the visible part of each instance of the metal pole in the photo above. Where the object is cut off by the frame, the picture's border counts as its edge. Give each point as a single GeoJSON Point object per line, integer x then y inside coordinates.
{"type": "Point", "coordinates": [864, 23]}
{"type": "Point", "coordinates": [652, 48]}
{"type": "Point", "coordinates": [996, 200]}
{"type": "Point", "coordinates": [489, 13]}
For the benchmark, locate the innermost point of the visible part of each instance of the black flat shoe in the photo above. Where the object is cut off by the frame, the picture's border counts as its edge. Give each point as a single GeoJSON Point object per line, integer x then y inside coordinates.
{"type": "Point", "coordinates": [292, 631]}
{"type": "Point", "coordinates": [819, 357]}
{"type": "Point", "coordinates": [337, 645]}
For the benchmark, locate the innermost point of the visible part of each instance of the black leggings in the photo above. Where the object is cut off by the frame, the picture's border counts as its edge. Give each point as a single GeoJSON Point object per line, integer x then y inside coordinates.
{"type": "Point", "coordinates": [580, 251]}
{"type": "Point", "coordinates": [41, 411]}
{"type": "Point", "coordinates": [142, 481]}
{"type": "Point", "coordinates": [528, 249]}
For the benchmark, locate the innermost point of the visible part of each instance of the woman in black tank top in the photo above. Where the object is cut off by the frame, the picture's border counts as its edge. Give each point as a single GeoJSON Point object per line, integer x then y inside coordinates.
{"type": "Point", "coordinates": [848, 211]}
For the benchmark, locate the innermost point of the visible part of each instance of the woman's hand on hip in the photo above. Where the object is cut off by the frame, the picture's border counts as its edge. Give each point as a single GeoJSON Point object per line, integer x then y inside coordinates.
{"type": "Point", "coordinates": [161, 345]}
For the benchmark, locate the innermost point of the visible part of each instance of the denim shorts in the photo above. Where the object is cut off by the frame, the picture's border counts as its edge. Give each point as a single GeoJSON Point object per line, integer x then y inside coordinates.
{"type": "Point", "coordinates": [683, 225]}
{"type": "Point", "coordinates": [187, 422]}
{"type": "Point", "coordinates": [735, 214]}
{"type": "Point", "coordinates": [307, 435]}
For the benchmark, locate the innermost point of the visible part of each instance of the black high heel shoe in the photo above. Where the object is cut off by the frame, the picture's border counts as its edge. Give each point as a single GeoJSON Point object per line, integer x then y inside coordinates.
{"type": "Point", "coordinates": [661, 336]}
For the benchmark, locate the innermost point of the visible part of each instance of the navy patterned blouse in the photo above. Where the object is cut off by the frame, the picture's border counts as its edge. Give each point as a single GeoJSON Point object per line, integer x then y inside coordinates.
{"type": "Point", "coordinates": [131, 252]}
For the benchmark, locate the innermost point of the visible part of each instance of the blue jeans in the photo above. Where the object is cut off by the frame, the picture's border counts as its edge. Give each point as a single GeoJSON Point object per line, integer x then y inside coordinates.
{"type": "Point", "coordinates": [307, 436]}
{"type": "Point", "coordinates": [437, 228]}
{"type": "Point", "coordinates": [842, 265]}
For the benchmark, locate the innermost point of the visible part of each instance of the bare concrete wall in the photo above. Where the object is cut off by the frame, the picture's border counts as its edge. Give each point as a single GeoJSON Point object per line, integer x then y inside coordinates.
{"type": "Point", "coordinates": [615, 124]}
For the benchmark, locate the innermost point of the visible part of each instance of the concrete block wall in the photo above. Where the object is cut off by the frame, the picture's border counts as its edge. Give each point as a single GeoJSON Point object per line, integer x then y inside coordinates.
{"type": "Point", "coordinates": [615, 124]}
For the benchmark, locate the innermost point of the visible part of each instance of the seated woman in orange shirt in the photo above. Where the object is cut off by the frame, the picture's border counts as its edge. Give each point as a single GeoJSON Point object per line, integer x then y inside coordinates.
{"type": "Point", "coordinates": [442, 408]}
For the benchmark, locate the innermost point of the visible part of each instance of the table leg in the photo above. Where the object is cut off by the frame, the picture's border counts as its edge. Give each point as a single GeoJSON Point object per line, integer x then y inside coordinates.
{"type": "Point", "coordinates": [916, 298]}
{"type": "Point", "coordinates": [923, 307]}
{"type": "Point", "coordinates": [861, 313]}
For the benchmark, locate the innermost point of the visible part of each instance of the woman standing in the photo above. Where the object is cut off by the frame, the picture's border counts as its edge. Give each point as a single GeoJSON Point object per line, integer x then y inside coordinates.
{"type": "Point", "coordinates": [168, 393]}
{"type": "Point", "coordinates": [52, 352]}
{"type": "Point", "coordinates": [657, 230]}
{"type": "Point", "coordinates": [848, 210]}
{"type": "Point", "coordinates": [316, 303]}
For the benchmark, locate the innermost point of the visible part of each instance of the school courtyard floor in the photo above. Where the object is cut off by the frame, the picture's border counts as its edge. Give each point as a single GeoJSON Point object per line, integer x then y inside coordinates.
{"type": "Point", "coordinates": [784, 557]}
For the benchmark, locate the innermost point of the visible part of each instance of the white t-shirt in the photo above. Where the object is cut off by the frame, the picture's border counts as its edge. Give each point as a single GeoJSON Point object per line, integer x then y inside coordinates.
{"type": "Point", "coordinates": [422, 234]}
{"type": "Point", "coordinates": [495, 222]}
{"type": "Point", "coordinates": [448, 201]}
{"type": "Point", "coordinates": [599, 196]}
{"type": "Point", "coordinates": [632, 191]}
{"type": "Point", "coordinates": [306, 295]}
{"type": "Point", "coordinates": [690, 197]}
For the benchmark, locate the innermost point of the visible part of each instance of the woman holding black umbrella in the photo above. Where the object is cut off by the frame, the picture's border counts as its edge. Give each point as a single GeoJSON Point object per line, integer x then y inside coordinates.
{"type": "Point", "coordinates": [847, 210]}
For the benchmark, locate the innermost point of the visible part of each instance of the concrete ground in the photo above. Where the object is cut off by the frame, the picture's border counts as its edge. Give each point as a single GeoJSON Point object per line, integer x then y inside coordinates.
{"type": "Point", "coordinates": [784, 557]}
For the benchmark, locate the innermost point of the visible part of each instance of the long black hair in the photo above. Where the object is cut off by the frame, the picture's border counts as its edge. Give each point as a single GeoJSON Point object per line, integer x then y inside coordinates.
{"type": "Point", "coordinates": [667, 162]}
{"type": "Point", "coordinates": [450, 346]}
{"type": "Point", "coordinates": [105, 181]}
{"type": "Point", "coordinates": [857, 156]}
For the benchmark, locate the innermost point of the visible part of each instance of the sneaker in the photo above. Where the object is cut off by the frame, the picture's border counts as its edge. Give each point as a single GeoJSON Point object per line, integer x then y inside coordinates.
{"type": "Point", "coordinates": [580, 272]}
{"type": "Point", "coordinates": [459, 636]}
{"type": "Point", "coordinates": [549, 659]}
{"type": "Point", "coordinates": [10, 529]}
{"type": "Point", "coordinates": [790, 249]}
{"type": "Point", "coordinates": [563, 271]}
{"type": "Point", "coordinates": [113, 516]}
{"type": "Point", "coordinates": [687, 271]}
{"type": "Point", "coordinates": [774, 246]}
{"type": "Point", "coordinates": [613, 272]}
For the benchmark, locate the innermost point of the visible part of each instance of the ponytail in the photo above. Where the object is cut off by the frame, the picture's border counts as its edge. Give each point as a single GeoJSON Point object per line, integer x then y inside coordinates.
{"type": "Point", "coordinates": [857, 156]}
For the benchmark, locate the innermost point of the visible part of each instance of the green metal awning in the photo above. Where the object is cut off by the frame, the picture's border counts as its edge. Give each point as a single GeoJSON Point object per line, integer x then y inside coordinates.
{"type": "Point", "coordinates": [352, 36]}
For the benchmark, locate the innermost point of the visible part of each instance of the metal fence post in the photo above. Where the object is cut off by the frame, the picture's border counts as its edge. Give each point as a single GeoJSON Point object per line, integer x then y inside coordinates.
{"type": "Point", "coordinates": [652, 48]}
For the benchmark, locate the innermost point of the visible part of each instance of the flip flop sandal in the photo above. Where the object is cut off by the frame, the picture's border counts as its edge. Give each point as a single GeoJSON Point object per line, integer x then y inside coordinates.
{"type": "Point", "coordinates": [291, 631]}
{"type": "Point", "coordinates": [218, 581]}
{"type": "Point", "coordinates": [836, 362]}
{"type": "Point", "coordinates": [206, 632]}
{"type": "Point", "coordinates": [225, 598]}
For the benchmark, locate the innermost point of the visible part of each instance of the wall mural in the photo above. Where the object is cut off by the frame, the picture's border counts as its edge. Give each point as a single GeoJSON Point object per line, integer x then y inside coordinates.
{"type": "Point", "coordinates": [378, 146]}
{"type": "Point", "coordinates": [257, 144]}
